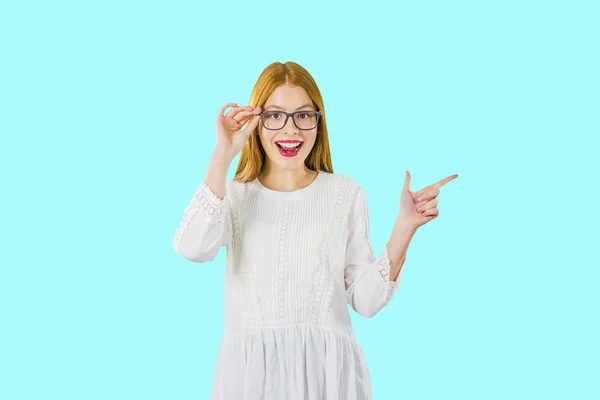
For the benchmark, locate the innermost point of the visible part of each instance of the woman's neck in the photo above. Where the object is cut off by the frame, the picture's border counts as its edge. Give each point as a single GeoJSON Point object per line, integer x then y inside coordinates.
{"type": "Point", "coordinates": [284, 180]}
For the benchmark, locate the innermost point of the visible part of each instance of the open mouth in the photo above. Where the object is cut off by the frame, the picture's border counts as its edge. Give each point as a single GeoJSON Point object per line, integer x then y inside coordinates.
{"type": "Point", "coordinates": [289, 149]}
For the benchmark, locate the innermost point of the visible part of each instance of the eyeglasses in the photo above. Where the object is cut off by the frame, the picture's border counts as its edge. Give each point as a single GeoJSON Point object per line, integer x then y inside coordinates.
{"type": "Point", "coordinates": [304, 120]}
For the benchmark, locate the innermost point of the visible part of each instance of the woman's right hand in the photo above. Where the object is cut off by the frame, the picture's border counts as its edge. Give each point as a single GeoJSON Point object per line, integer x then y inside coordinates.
{"type": "Point", "coordinates": [231, 138]}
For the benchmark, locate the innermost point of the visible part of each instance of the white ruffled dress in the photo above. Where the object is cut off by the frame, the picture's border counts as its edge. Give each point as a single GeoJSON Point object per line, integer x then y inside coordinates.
{"type": "Point", "coordinates": [295, 260]}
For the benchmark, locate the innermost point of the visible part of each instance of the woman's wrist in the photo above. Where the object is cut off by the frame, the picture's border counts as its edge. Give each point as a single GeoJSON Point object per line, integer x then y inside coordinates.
{"type": "Point", "coordinates": [222, 156]}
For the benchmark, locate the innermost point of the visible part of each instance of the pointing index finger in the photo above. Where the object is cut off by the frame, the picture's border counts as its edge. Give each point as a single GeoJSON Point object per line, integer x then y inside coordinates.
{"type": "Point", "coordinates": [444, 181]}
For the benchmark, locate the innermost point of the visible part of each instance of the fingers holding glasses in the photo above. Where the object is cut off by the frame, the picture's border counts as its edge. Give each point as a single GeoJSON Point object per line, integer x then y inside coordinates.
{"type": "Point", "coordinates": [233, 119]}
{"type": "Point", "coordinates": [236, 110]}
{"type": "Point", "coordinates": [243, 116]}
{"type": "Point", "coordinates": [236, 118]}
{"type": "Point", "coordinates": [222, 109]}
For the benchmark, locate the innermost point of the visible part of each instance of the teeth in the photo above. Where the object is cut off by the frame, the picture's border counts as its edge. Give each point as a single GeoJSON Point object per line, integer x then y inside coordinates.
{"type": "Point", "coordinates": [289, 145]}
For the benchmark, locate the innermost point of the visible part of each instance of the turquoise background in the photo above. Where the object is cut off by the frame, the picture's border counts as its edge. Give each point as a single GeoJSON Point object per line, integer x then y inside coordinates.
{"type": "Point", "coordinates": [107, 113]}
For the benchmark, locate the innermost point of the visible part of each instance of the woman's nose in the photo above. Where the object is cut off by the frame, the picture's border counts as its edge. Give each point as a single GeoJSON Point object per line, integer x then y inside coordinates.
{"type": "Point", "coordinates": [290, 126]}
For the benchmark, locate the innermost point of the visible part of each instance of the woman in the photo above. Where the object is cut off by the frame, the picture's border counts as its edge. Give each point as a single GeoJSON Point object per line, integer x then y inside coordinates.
{"type": "Point", "coordinates": [298, 247]}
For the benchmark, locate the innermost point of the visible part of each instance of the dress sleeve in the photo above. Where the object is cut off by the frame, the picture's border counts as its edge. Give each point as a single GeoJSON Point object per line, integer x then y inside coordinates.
{"type": "Point", "coordinates": [367, 278]}
{"type": "Point", "coordinates": [204, 227]}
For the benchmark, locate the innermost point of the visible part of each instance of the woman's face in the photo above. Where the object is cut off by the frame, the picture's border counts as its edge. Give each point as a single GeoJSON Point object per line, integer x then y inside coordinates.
{"type": "Point", "coordinates": [290, 99]}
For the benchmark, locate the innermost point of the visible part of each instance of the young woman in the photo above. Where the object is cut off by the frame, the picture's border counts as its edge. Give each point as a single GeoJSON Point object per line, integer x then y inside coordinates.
{"type": "Point", "coordinates": [298, 247]}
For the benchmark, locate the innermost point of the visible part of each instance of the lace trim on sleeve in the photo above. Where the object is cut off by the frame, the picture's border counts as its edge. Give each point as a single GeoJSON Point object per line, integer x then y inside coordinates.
{"type": "Point", "coordinates": [208, 201]}
{"type": "Point", "coordinates": [383, 267]}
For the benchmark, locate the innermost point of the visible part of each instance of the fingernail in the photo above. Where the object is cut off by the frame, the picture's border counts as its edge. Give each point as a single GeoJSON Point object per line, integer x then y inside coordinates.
{"type": "Point", "coordinates": [419, 209]}
{"type": "Point", "coordinates": [420, 198]}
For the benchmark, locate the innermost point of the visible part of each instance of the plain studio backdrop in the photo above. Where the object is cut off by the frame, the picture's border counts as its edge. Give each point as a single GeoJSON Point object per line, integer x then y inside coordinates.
{"type": "Point", "coordinates": [107, 122]}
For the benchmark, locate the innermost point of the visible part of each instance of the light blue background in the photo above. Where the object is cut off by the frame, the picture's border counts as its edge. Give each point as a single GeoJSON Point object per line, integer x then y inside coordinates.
{"type": "Point", "coordinates": [107, 113]}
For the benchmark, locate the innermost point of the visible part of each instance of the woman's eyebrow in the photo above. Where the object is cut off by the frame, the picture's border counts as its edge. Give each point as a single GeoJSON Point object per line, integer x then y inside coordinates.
{"type": "Point", "coordinates": [281, 108]}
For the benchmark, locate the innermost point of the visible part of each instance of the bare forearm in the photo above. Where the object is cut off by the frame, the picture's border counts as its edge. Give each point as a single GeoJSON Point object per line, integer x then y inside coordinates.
{"type": "Point", "coordinates": [398, 246]}
{"type": "Point", "coordinates": [216, 174]}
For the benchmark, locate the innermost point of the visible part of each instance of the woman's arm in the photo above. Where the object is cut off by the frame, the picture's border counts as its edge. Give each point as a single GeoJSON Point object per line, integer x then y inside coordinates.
{"type": "Point", "coordinates": [397, 246]}
{"type": "Point", "coordinates": [204, 227]}
{"type": "Point", "coordinates": [372, 281]}
{"type": "Point", "coordinates": [216, 175]}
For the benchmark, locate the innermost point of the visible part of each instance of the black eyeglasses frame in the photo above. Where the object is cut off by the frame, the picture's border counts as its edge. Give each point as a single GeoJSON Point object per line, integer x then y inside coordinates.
{"type": "Point", "coordinates": [287, 116]}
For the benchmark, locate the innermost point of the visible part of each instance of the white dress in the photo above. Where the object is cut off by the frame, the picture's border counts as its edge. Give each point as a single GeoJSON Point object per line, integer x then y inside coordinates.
{"type": "Point", "coordinates": [295, 260]}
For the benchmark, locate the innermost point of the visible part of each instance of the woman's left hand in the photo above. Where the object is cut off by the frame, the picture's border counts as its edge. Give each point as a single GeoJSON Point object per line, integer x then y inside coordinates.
{"type": "Point", "coordinates": [418, 208]}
